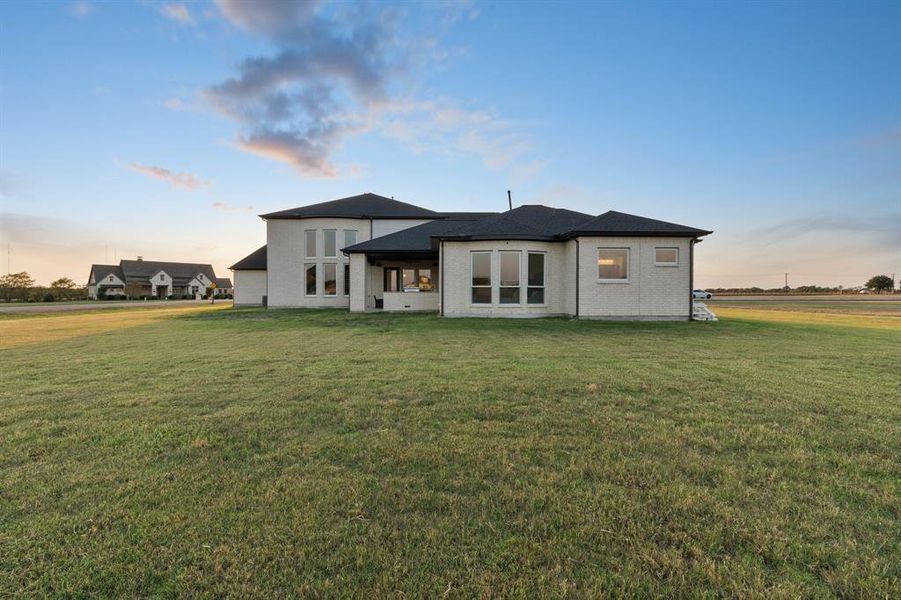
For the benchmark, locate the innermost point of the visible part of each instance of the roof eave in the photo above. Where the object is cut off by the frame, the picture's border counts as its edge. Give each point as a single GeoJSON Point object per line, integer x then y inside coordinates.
{"type": "Point", "coordinates": [588, 233]}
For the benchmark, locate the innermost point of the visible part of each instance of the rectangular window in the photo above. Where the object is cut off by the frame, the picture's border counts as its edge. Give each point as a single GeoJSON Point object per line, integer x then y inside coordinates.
{"type": "Point", "coordinates": [613, 264]}
{"type": "Point", "coordinates": [330, 279]}
{"type": "Point", "coordinates": [666, 257]}
{"type": "Point", "coordinates": [409, 279]}
{"type": "Point", "coordinates": [392, 279]}
{"type": "Point", "coordinates": [481, 277]}
{"type": "Point", "coordinates": [425, 280]}
{"type": "Point", "coordinates": [350, 237]}
{"type": "Point", "coordinates": [535, 281]}
{"type": "Point", "coordinates": [311, 279]}
{"type": "Point", "coordinates": [347, 280]}
{"type": "Point", "coordinates": [330, 243]}
{"type": "Point", "coordinates": [309, 243]}
{"type": "Point", "coordinates": [510, 277]}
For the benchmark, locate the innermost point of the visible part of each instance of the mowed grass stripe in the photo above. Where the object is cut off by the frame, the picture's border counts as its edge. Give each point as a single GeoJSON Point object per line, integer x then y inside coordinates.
{"type": "Point", "coordinates": [247, 452]}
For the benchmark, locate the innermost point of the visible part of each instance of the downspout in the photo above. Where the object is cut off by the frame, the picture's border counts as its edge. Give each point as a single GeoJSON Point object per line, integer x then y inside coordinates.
{"type": "Point", "coordinates": [691, 276]}
{"type": "Point", "coordinates": [577, 278]}
{"type": "Point", "coordinates": [441, 278]}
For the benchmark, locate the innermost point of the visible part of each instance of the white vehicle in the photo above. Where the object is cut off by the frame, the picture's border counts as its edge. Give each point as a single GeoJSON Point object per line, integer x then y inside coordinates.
{"type": "Point", "coordinates": [864, 291]}
{"type": "Point", "coordinates": [701, 295]}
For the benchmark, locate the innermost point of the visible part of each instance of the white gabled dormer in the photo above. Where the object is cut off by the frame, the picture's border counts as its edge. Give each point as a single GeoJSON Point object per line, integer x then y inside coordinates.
{"type": "Point", "coordinates": [161, 278]}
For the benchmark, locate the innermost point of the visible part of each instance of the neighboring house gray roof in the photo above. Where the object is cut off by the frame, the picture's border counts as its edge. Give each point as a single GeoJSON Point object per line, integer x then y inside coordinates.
{"type": "Point", "coordinates": [102, 272]}
{"type": "Point", "coordinates": [223, 282]}
{"type": "Point", "coordinates": [617, 223]}
{"type": "Point", "coordinates": [363, 206]}
{"type": "Point", "coordinates": [255, 261]}
{"type": "Point", "coordinates": [140, 271]}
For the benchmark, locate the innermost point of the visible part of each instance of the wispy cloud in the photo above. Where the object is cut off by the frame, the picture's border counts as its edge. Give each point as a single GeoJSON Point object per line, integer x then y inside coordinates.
{"type": "Point", "coordinates": [231, 208]}
{"type": "Point", "coordinates": [335, 74]}
{"type": "Point", "coordinates": [182, 180]}
{"type": "Point", "coordinates": [81, 9]}
{"type": "Point", "coordinates": [177, 12]}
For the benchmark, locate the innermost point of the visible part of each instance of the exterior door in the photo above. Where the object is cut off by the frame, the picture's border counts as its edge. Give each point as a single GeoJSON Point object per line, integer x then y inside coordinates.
{"type": "Point", "coordinates": [392, 279]}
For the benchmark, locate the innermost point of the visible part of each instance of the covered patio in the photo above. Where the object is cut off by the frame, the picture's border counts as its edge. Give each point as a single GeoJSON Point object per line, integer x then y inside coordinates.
{"type": "Point", "coordinates": [400, 282]}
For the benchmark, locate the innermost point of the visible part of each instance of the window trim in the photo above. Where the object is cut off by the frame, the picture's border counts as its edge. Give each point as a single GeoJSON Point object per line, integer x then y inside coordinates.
{"type": "Point", "coordinates": [306, 245]}
{"type": "Point", "coordinates": [325, 233]}
{"type": "Point", "coordinates": [666, 264]}
{"type": "Point", "coordinates": [490, 286]}
{"type": "Point", "coordinates": [500, 282]}
{"type": "Point", "coordinates": [306, 268]}
{"type": "Point", "coordinates": [543, 285]}
{"type": "Point", "coordinates": [325, 266]}
{"type": "Point", "coordinates": [627, 278]}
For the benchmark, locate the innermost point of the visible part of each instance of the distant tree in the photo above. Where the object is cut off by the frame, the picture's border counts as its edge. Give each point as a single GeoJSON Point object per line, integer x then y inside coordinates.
{"type": "Point", "coordinates": [881, 283]}
{"type": "Point", "coordinates": [64, 288]}
{"type": "Point", "coordinates": [16, 284]}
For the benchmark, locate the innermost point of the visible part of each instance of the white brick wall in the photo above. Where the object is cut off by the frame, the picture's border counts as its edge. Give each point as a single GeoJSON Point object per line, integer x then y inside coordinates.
{"type": "Point", "coordinates": [457, 280]}
{"type": "Point", "coordinates": [250, 287]}
{"type": "Point", "coordinates": [651, 291]}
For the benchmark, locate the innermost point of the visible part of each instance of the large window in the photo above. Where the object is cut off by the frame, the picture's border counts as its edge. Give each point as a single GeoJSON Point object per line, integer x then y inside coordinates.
{"type": "Point", "coordinates": [310, 271]}
{"type": "Point", "coordinates": [425, 280]}
{"type": "Point", "coordinates": [309, 243]}
{"type": "Point", "coordinates": [666, 257]}
{"type": "Point", "coordinates": [347, 280]}
{"type": "Point", "coordinates": [535, 280]}
{"type": "Point", "coordinates": [330, 243]}
{"type": "Point", "coordinates": [409, 279]}
{"type": "Point", "coordinates": [350, 237]}
{"type": "Point", "coordinates": [613, 264]}
{"type": "Point", "coordinates": [509, 289]}
{"type": "Point", "coordinates": [481, 277]}
{"type": "Point", "coordinates": [330, 279]}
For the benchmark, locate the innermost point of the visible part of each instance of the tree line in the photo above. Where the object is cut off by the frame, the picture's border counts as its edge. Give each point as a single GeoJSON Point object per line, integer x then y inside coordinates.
{"type": "Point", "coordinates": [20, 287]}
{"type": "Point", "coordinates": [877, 283]}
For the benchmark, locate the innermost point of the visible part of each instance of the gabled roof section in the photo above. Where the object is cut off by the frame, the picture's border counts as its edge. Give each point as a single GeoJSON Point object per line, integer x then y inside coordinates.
{"type": "Point", "coordinates": [223, 282]}
{"type": "Point", "coordinates": [181, 273]}
{"type": "Point", "coordinates": [618, 223]}
{"type": "Point", "coordinates": [255, 261]}
{"type": "Point", "coordinates": [363, 206]}
{"type": "Point", "coordinates": [102, 272]}
{"type": "Point", "coordinates": [527, 222]}
{"type": "Point", "coordinates": [416, 239]}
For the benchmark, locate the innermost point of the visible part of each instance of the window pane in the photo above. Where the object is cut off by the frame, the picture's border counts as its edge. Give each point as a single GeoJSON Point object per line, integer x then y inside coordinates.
{"type": "Point", "coordinates": [310, 243]}
{"type": "Point", "coordinates": [666, 256]}
{"type": "Point", "coordinates": [391, 280]}
{"type": "Point", "coordinates": [329, 242]}
{"type": "Point", "coordinates": [536, 269]}
{"type": "Point", "coordinates": [425, 279]}
{"type": "Point", "coordinates": [350, 238]}
{"type": "Point", "coordinates": [536, 295]}
{"type": "Point", "coordinates": [481, 295]}
{"type": "Point", "coordinates": [481, 269]}
{"type": "Point", "coordinates": [509, 268]}
{"type": "Point", "coordinates": [311, 280]}
{"type": "Point", "coordinates": [509, 295]}
{"type": "Point", "coordinates": [347, 280]}
{"type": "Point", "coordinates": [613, 263]}
{"type": "Point", "coordinates": [330, 279]}
{"type": "Point", "coordinates": [409, 278]}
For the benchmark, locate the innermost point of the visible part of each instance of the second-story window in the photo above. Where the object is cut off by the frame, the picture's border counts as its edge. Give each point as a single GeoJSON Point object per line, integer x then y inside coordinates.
{"type": "Point", "coordinates": [309, 244]}
{"type": "Point", "coordinates": [330, 243]}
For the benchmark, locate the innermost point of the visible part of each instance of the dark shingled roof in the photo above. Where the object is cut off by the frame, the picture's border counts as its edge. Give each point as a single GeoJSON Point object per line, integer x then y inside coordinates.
{"type": "Point", "coordinates": [617, 223]}
{"type": "Point", "coordinates": [413, 239]}
{"type": "Point", "coordinates": [527, 222]}
{"type": "Point", "coordinates": [140, 271]}
{"type": "Point", "coordinates": [101, 272]}
{"type": "Point", "coordinates": [364, 206]}
{"type": "Point", "coordinates": [255, 261]}
{"type": "Point", "coordinates": [223, 282]}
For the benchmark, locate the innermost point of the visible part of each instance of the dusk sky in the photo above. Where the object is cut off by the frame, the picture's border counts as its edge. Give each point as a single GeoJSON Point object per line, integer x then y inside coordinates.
{"type": "Point", "coordinates": [163, 129]}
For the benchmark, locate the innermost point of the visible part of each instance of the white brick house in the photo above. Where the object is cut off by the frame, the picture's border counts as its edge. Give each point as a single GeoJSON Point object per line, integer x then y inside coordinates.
{"type": "Point", "coordinates": [371, 253]}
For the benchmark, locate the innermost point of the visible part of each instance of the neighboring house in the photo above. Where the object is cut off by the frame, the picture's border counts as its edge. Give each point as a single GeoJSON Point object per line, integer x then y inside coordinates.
{"type": "Point", "coordinates": [150, 279]}
{"type": "Point", "coordinates": [372, 253]}
{"type": "Point", "coordinates": [223, 288]}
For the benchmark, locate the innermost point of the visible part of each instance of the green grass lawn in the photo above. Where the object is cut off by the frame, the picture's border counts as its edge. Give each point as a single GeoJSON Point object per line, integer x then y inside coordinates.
{"type": "Point", "coordinates": [217, 452]}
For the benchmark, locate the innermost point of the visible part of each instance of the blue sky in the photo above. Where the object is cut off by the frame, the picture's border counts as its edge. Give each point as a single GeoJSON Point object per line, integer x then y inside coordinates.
{"type": "Point", "coordinates": [164, 128]}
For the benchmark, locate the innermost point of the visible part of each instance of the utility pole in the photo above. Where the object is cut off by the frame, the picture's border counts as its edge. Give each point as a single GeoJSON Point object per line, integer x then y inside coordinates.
{"type": "Point", "coordinates": [786, 280]}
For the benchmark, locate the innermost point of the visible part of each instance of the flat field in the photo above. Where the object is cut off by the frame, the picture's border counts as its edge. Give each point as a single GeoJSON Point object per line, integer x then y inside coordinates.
{"type": "Point", "coordinates": [209, 451]}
